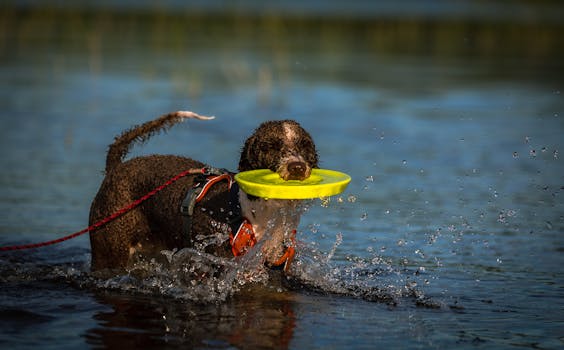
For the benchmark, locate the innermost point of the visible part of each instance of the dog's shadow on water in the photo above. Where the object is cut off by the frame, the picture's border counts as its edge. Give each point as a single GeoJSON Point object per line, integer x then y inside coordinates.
{"type": "Point", "coordinates": [258, 315]}
{"type": "Point", "coordinates": [255, 318]}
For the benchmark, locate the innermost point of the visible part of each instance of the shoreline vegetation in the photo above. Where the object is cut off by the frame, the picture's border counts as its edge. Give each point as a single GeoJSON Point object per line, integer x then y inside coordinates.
{"type": "Point", "coordinates": [534, 43]}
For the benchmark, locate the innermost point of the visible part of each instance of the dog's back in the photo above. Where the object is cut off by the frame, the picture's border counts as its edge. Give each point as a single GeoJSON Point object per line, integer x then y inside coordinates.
{"type": "Point", "coordinates": [157, 224]}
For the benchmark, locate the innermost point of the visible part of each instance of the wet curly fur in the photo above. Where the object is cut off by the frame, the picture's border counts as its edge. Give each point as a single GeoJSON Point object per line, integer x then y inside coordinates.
{"type": "Point", "coordinates": [282, 146]}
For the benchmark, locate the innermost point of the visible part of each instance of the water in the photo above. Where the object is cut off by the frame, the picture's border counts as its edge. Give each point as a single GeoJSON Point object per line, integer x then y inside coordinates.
{"type": "Point", "coordinates": [450, 234]}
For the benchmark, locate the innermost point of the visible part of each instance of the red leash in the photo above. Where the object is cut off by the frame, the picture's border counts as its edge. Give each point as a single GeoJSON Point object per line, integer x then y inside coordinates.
{"type": "Point", "coordinates": [111, 217]}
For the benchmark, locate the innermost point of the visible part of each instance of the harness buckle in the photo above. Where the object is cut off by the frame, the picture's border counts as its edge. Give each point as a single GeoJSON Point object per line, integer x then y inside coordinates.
{"type": "Point", "coordinates": [243, 239]}
{"type": "Point", "coordinates": [210, 170]}
{"type": "Point", "coordinates": [191, 198]}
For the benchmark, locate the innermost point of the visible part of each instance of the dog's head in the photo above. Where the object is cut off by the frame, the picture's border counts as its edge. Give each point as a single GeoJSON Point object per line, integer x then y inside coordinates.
{"type": "Point", "coordinates": [287, 149]}
{"type": "Point", "coordinates": [281, 146]}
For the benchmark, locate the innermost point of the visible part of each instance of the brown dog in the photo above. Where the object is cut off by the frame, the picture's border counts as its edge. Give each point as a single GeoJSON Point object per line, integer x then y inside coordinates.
{"type": "Point", "coordinates": [157, 224]}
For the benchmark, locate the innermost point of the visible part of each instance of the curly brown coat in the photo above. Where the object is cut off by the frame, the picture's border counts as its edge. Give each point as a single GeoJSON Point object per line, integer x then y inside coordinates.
{"type": "Point", "coordinates": [282, 146]}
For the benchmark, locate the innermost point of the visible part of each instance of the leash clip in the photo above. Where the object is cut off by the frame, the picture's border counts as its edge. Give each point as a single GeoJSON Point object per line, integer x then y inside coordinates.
{"type": "Point", "coordinates": [210, 170]}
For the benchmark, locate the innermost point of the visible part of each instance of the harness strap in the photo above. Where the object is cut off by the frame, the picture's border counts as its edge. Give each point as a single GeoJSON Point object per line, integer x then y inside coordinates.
{"type": "Point", "coordinates": [197, 192]}
{"type": "Point", "coordinates": [212, 181]}
{"type": "Point", "coordinates": [244, 238]}
{"type": "Point", "coordinates": [289, 254]}
{"type": "Point", "coordinates": [201, 187]}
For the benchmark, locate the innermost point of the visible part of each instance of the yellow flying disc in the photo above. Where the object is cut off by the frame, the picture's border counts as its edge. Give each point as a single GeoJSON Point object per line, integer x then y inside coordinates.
{"type": "Point", "coordinates": [268, 184]}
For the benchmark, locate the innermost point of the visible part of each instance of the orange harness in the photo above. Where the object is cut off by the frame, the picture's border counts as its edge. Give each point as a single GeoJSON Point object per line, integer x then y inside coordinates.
{"type": "Point", "coordinates": [244, 238]}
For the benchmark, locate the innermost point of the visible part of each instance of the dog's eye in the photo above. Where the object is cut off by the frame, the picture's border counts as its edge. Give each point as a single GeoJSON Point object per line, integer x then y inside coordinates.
{"type": "Point", "coordinates": [274, 145]}
{"type": "Point", "coordinates": [306, 144]}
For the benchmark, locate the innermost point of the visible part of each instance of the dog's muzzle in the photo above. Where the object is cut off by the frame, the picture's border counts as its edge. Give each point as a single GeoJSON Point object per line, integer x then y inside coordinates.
{"type": "Point", "coordinates": [297, 170]}
{"type": "Point", "coordinates": [294, 170]}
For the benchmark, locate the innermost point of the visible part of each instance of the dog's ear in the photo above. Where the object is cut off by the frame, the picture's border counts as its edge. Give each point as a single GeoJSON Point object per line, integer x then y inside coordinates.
{"type": "Point", "coordinates": [244, 160]}
{"type": "Point", "coordinates": [307, 147]}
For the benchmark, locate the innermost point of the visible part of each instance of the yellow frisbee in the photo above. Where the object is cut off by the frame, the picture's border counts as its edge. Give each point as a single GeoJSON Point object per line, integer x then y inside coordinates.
{"type": "Point", "coordinates": [268, 184]}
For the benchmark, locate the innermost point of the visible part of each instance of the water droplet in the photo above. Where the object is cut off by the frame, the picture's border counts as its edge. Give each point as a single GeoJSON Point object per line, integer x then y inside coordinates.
{"type": "Point", "coordinates": [370, 178]}
{"type": "Point", "coordinates": [533, 153]}
{"type": "Point", "coordinates": [555, 154]}
{"type": "Point", "coordinates": [314, 228]}
{"type": "Point", "coordinates": [363, 216]}
{"type": "Point", "coordinates": [549, 225]}
{"type": "Point", "coordinates": [515, 155]}
{"type": "Point", "coordinates": [404, 162]}
{"type": "Point", "coordinates": [527, 139]}
{"type": "Point", "coordinates": [401, 242]}
{"type": "Point", "coordinates": [338, 241]}
{"type": "Point", "coordinates": [351, 198]}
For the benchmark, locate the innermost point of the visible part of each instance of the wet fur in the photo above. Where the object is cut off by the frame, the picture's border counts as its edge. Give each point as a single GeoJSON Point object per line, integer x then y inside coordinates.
{"type": "Point", "coordinates": [282, 146]}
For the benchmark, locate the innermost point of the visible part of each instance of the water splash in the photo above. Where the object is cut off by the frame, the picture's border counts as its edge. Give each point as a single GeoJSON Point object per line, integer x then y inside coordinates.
{"type": "Point", "coordinates": [192, 275]}
{"type": "Point", "coordinates": [338, 241]}
{"type": "Point", "coordinates": [374, 278]}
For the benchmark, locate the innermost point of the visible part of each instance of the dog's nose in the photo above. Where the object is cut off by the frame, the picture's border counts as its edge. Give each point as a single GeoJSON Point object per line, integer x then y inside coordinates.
{"type": "Point", "coordinates": [297, 170]}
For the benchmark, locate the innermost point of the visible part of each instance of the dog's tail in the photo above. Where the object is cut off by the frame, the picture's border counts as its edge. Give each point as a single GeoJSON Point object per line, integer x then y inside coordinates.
{"type": "Point", "coordinates": [141, 133]}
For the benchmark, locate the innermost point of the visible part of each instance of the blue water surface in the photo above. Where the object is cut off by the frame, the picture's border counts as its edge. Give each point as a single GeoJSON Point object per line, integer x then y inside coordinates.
{"type": "Point", "coordinates": [455, 210]}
